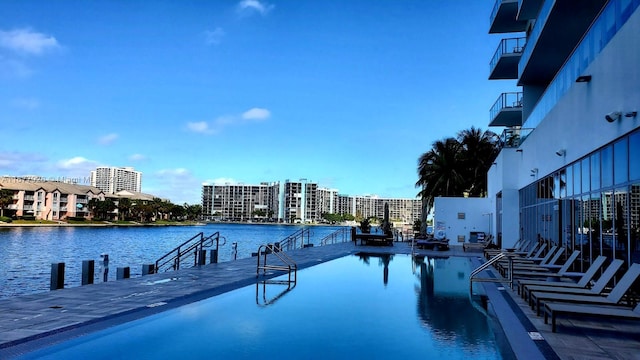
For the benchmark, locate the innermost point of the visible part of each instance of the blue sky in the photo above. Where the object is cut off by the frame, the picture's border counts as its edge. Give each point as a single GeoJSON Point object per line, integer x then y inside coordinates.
{"type": "Point", "coordinates": [347, 94]}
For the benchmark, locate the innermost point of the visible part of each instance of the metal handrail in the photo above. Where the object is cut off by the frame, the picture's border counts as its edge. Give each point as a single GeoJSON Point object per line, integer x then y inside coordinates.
{"type": "Point", "coordinates": [332, 238]}
{"type": "Point", "coordinates": [193, 246]}
{"type": "Point", "coordinates": [509, 255]}
{"type": "Point", "coordinates": [289, 264]}
{"type": "Point", "coordinates": [290, 242]}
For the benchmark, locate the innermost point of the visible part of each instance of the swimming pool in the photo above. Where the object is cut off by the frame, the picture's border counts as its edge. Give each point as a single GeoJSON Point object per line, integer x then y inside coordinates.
{"type": "Point", "coordinates": [377, 306]}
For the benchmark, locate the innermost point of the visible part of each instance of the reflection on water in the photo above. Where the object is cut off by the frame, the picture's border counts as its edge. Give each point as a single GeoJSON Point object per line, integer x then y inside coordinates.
{"type": "Point", "coordinates": [352, 307]}
{"type": "Point", "coordinates": [443, 300]}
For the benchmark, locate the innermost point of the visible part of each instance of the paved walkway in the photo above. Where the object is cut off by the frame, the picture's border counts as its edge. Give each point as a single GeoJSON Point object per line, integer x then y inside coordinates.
{"type": "Point", "coordinates": [29, 321]}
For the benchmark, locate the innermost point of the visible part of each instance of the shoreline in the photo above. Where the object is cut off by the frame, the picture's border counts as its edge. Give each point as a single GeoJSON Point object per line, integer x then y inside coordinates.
{"type": "Point", "coordinates": [10, 225]}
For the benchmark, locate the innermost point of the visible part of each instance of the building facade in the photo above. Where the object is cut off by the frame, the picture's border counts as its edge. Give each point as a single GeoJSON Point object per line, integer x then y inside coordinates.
{"type": "Point", "coordinates": [568, 171]}
{"type": "Point", "coordinates": [48, 200]}
{"type": "Point", "coordinates": [298, 202]}
{"type": "Point", "coordinates": [113, 179]}
{"type": "Point", "coordinates": [240, 202]}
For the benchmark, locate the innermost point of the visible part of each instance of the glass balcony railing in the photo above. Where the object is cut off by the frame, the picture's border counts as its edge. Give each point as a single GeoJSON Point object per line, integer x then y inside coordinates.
{"type": "Point", "coordinates": [513, 137]}
{"type": "Point", "coordinates": [508, 100]}
{"type": "Point", "coordinates": [614, 15]}
{"type": "Point", "coordinates": [507, 46]}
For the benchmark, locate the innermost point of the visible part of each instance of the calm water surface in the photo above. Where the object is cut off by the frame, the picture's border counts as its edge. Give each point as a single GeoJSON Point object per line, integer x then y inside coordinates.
{"type": "Point", "coordinates": [26, 254]}
{"type": "Point", "coordinates": [356, 307]}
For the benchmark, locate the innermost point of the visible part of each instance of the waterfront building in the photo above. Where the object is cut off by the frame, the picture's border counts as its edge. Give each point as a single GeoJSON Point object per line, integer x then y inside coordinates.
{"type": "Point", "coordinates": [48, 200]}
{"type": "Point", "coordinates": [113, 179]}
{"type": "Point", "coordinates": [568, 170]}
{"type": "Point", "coordinates": [240, 202]}
{"type": "Point", "coordinates": [300, 201]}
{"type": "Point", "coordinates": [326, 203]}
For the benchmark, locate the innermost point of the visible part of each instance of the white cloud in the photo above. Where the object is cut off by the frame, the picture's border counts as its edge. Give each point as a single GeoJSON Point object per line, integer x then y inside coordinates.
{"type": "Point", "coordinates": [201, 127]}
{"type": "Point", "coordinates": [137, 157]}
{"type": "Point", "coordinates": [178, 185]}
{"type": "Point", "coordinates": [26, 41]}
{"type": "Point", "coordinates": [108, 139]}
{"type": "Point", "coordinates": [74, 162]}
{"type": "Point", "coordinates": [29, 104]}
{"type": "Point", "coordinates": [216, 126]}
{"type": "Point", "coordinates": [247, 7]}
{"type": "Point", "coordinates": [256, 114]}
{"type": "Point", "coordinates": [14, 161]}
{"type": "Point", "coordinates": [174, 172]}
{"type": "Point", "coordinates": [214, 37]}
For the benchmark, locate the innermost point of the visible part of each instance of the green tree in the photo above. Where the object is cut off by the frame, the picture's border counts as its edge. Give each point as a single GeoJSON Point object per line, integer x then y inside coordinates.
{"type": "Point", "coordinates": [456, 167]}
{"type": "Point", "coordinates": [124, 208]}
{"type": "Point", "coordinates": [6, 198]}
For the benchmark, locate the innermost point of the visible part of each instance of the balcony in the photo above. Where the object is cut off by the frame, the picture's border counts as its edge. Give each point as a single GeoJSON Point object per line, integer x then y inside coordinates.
{"type": "Point", "coordinates": [557, 31]}
{"type": "Point", "coordinates": [503, 18]}
{"type": "Point", "coordinates": [528, 9]}
{"type": "Point", "coordinates": [29, 197]}
{"type": "Point", "coordinates": [504, 64]}
{"type": "Point", "coordinates": [507, 110]}
{"type": "Point", "coordinates": [27, 207]}
{"type": "Point", "coordinates": [81, 201]}
{"type": "Point", "coordinates": [513, 137]}
{"type": "Point", "coordinates": [12, 207]}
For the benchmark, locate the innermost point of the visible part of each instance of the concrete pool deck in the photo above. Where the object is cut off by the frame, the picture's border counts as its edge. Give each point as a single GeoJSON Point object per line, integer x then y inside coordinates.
{"type": "Point", "coordinates": [30, 321]}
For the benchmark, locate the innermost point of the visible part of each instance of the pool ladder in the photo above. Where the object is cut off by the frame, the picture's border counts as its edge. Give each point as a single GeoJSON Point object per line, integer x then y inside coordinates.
{"type": "Point", "coordinates": [472, 277]}
{"type": "Point", "coordinates": [288, 264]}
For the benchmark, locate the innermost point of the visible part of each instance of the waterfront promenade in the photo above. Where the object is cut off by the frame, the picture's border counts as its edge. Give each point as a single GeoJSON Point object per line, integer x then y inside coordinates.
{"type": "Point", "coordinates": [31, 321]}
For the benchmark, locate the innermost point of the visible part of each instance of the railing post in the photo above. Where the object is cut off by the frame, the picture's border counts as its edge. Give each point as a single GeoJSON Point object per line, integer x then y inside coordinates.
{"type": "Point", "coordinates": [123, 273]}
{"type": "Point", "coordinates": [148, 269]}
{"type": "Point", "coordinates": [88, 271]}
{"type": "Point", "coordinates": [57, 276]}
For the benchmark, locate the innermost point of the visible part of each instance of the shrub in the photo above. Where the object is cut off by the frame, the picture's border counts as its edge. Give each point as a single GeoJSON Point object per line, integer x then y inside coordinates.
{"type": "Point", "coordinates": [28, 217]}
{"type": "Point", "coordinates": [76, 218]}
{"type": "Point", "coordinates": [5, 219]}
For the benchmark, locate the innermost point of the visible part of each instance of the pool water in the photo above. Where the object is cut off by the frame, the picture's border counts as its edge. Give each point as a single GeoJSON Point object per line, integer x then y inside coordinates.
{"type": "Point", "coordinates": [362, 306]}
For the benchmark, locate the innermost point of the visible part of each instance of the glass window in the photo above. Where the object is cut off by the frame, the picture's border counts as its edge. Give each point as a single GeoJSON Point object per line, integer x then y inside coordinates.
{"type": "Point", "coordinates": [595, 171]}
{"type": "Point", "coordinates": [620, 162]}
{"type": "Point", "coordinates": [576, 178]}
{"type": "Point", "coordinates": [586, 186]}
{"type": "Point", "coordinates": [563, 183]}
{"type": "Point", "coordinates": [634, 153]}
{"type": "Point", "coordinates": [569, 180]}
{"type": "Point", "coordinates": [606, 161]}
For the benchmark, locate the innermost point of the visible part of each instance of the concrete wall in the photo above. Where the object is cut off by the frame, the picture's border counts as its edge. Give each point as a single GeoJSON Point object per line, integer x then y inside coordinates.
{"type": "Point", "coordinates": [477, 214]}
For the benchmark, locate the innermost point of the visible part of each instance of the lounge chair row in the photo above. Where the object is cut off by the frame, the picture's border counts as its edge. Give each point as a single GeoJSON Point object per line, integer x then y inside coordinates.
{"type": "Point", "coordinates": [567, 294]}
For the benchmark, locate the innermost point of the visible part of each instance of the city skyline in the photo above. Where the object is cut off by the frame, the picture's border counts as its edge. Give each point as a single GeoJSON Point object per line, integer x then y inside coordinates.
{"type": "Point", "coordinates": [349, 94]}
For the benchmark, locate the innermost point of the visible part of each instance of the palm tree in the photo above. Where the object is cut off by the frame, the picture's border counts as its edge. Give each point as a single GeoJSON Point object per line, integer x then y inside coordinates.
{"type": "Point", "coordinates": [456, 167]}
{"type": "Point", "coordinates": [479, 151]}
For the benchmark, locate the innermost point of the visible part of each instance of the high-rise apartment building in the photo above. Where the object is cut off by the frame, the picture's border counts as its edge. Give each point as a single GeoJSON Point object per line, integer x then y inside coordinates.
{"type": "Point", "coordinates": [297, 202]}
{"type": "Point", "coordinates": [114, 179]}
{"type": "Point", "coordinates": [568, 171]}
{"type": "Point", "coordinates": [240, 202]}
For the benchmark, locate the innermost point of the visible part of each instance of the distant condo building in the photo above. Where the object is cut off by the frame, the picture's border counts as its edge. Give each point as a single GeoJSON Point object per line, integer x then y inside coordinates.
{"type": "Point", "coordinates": [300, 201]}
{"type": "Point", "coordinates": [239, 202]}
{"type": "Point", "coordinates": [113, 179]}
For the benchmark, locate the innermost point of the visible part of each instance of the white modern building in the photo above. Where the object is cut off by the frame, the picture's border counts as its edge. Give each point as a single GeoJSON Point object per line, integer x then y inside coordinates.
{"type": "Point", "coordinates": [568, 171]}
{"type": "Point", "coordinates": [113, 179]}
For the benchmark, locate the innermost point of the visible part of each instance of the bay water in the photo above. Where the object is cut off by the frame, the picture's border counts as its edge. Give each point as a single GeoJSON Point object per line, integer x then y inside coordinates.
{"type": "Point", "coordinates": [26, 253]}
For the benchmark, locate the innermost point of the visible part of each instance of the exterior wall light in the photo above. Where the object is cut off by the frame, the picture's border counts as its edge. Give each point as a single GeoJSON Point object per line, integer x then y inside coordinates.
{"type": "Point", "coordinates": [561, 152]}
{"type": "Point", "coordinates": [583, 78]}
{"type": "Point", "coordinates": [613, 116]}
{"type": "Point", "coordinates": [631, 114]}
